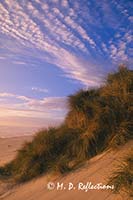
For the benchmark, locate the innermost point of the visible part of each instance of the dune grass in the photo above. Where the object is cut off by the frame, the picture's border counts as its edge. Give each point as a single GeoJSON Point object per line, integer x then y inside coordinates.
{"type": "Point", "coordinates": [97, 119]}
{"type": "Point", "coordinates": [122, 178]}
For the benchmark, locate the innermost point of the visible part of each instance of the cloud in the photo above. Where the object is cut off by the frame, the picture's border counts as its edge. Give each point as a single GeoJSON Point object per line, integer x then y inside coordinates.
{"type": "Point", "coordinates": [19, 63]}
{"type": "Point", "coordinates": [30, 114]}
{"type": "Point", "coordinates": [130, 18]}
{"type": "Point", "coordinates": [66, 40]}
{"type": "Point", "coordinates": [6, 94]}
{"type": "Point", "coordinates": [44, 90]}
{"type": "Point", "coordinates": [119, 50]}
{"type": "Point", "coordinates": [49, 104]}
{"type": "Point", "coordinates": [47, 108]}
{"type": "Point", "coordinates": [2, 57]}
{"type": "Point", "coordinates": [23, 98]}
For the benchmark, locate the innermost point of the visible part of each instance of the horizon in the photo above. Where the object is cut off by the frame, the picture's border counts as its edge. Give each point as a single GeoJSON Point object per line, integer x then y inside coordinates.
{"type": "Point", "coordinates": [51, 49]}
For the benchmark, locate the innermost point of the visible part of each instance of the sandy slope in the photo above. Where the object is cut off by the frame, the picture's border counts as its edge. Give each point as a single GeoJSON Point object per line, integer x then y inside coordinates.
{"type": "Point", "coordinates": [96, 171]}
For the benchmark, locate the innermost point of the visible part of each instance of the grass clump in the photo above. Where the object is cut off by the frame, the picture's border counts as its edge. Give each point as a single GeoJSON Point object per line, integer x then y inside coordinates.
{"type": "Point", "coordinates": [122, 178]}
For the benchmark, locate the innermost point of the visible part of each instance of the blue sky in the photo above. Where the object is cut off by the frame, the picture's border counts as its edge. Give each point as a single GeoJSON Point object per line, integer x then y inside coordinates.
{"type": "Point", "coordinates": [52, 48]}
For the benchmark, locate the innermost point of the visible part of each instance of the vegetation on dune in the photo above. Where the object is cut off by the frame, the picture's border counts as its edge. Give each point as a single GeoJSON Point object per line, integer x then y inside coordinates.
{"type": "Point", "coordinates": [48, 148]}
{"type": "Point", "coordinates": [97, 119]}
{"type": "Point", "coordinates": [122, 178]}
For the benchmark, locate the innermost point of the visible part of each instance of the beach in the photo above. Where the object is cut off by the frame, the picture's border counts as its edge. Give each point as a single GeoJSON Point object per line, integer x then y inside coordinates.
{"type": "Point", "coordinates": [9, 147]}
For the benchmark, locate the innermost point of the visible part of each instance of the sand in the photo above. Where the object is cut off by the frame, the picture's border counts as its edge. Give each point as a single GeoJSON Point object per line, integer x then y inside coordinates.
{"type": "Point", "coordinates": [95, 171]}
{"type": "Point", "coordinates": [9, 147]}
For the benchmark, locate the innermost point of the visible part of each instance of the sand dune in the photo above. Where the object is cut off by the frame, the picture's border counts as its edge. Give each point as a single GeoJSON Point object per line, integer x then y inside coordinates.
{"type": "Point", "coordinates": [95, 171]}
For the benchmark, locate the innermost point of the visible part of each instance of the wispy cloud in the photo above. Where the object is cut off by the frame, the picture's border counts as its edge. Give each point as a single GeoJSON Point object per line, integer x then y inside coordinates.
{"type": "Point", "coordinates": [8, 95]}
{"type": "Point", "coordinates": [2, 57]}
{"type": "Point", "coordinates": [37, 89]}
{"type": "Point", "coordinates": [47, 108]}
{"type": "Point", "coordinates": [66, 40]}
{"type": "Point", "coordinates": [27, 115]}
{"type": "Point", "coordinates": [19, 63]}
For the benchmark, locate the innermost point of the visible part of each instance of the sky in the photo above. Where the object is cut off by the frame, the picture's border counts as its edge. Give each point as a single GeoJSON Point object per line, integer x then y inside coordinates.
{"type": "Point", "coordinates": [50, 49]}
